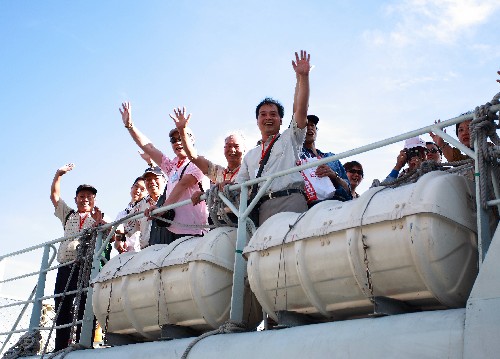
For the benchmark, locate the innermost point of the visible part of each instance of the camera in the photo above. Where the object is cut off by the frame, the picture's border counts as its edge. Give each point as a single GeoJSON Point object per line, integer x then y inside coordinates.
{"type": "Point", "coordinates": [415, 151]}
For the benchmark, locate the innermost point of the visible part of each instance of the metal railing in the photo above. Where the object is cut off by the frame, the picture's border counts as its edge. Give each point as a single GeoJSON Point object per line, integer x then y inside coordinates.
{"type": "Point", "coordinates": [236, 312]}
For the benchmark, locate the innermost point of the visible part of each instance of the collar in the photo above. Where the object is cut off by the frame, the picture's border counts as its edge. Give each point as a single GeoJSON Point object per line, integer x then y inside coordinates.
{"type": "Point", "coordinates": [269, 139]}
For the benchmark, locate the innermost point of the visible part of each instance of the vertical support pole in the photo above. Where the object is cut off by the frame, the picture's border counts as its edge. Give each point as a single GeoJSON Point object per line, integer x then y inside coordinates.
{"type": "Point", "coordinates": [40, 290]}
{"type": "Point", "coordinates": [240, 269]}
{"type": "Point", "coordinates": [483, 229]}
{"type": "Point", "coordinates": [86, 338]}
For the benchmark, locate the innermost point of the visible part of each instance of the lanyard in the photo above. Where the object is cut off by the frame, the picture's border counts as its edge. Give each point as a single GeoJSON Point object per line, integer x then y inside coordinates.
{"type": "Point", "coordinates": [266, 150]}
{"type": "Point", "coordinates": [179, 162]}
{"type": "Point", "coordinates": [82, 219]}
{"type": "Point", "coordinates": [233, 173]}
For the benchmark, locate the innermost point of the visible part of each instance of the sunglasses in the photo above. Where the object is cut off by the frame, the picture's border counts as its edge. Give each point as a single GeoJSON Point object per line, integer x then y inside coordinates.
{"type": "Point", "coordinates": [175, 139]}
{"type": "Point", "coordinates": [353, 171]}
{"type": "Point", "coordinates": [434, 150]}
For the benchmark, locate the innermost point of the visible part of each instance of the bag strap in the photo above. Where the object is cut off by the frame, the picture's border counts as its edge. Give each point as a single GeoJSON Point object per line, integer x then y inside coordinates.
{"type": "Point", "coordinates": [200, 186]}
{"type": "Point", "coordinates": [67, 217]}
{"type": "Point", "coordinates": [261, 167]}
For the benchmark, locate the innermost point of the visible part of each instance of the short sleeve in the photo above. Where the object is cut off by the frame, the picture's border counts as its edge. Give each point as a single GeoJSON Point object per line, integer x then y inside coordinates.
{"type": "Point", "coordinates": [191, 169]}
{"type": "Point", "coordinates": [62, 210]}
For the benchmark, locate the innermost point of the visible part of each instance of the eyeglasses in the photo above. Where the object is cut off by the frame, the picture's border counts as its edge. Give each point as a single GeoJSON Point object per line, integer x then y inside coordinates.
{"type": "Point", "coordinates": [434, 150]}
{"type": "Point", "coordinates": [175, 139]}
{"type": "Point", "coordinates": [353, 171]}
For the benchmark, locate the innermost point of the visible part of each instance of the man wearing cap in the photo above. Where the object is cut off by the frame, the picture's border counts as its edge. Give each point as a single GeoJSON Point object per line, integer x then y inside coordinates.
{"type": "Point", "coordinates": [87, 215]}
{"type": "Point", "coordinates": [413, 153]}
{"type": "Point", "coordinates": [334, 170]}
{"type": "Point", "coordinates": [184, 179]}
{"type": "Point", "coordinates": [286, 193]}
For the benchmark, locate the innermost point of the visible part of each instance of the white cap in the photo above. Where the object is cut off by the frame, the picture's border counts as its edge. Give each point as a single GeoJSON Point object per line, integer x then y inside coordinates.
{"type": "Point", "coordinates": [414, 142]}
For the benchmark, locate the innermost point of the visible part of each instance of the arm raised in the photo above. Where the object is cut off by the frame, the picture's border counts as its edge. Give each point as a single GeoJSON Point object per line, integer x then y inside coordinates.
{"type": "Point", "coordinates": [181, 122]}
{"type": "Point", "coordinates": [302, 67]}
{"type": "Point", "coordinates": [140, 139]}
{"type": "Point", "coordinates": [55, 188]}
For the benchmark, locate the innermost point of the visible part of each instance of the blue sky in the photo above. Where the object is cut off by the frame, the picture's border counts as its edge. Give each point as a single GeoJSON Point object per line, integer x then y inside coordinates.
{"type": "Point", "coordinates": [381, 68]}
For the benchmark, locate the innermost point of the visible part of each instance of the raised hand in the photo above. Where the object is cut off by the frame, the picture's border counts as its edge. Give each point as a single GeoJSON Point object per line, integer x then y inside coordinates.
{"type": "Point", "coordinates": [65, 169]}
{"type": "Point", "coordinates": [437, 140]}
{"type": "Point", "coordinates": [401, 160]}
{"type": "Point", "coordinates": [98, 216]}
{"type": "Point", "coordinates": [179, 117]}
{"type": "Point", "coordinates": [126, 112]}
{"type": "Point", "coordinates": [301, 65]}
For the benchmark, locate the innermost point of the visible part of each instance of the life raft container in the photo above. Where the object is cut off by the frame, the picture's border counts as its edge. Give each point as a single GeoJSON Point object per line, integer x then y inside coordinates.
{"type": "Point", "coordinates": [416, 243]}
{"type": "Point", "coordinates": [187, 283]}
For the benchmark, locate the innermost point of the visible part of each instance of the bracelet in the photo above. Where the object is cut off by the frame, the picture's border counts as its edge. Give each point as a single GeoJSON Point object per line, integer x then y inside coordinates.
{"type": "Point", "coordinates": [129, 126]}
{"type": "Point", "coordinates": [446, 144]}
{"type": "Point", "coordinates": [150, 164]}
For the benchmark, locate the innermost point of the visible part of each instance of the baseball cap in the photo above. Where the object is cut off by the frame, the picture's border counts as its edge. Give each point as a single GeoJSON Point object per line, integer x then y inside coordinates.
{"type": "Point", "coordinates": [415, 142]}
{"type": "Point", "coordinates": [154, 170]}
{"type": "Point", "coordinates": [313, 118]}
{"type": "Point", "coordinates": [86, 187]}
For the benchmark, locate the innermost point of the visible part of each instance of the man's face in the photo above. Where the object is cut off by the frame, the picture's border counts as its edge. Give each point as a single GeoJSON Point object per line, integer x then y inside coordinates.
{"type": "Point", "coordinates": [233, 149]}
{"type": "Point", "coordinates": [312, 132]}
{"type": "Point", "coordinates": [463, 133]}
{"type": "Point", "coordinates": [269, 121]}
{"type": "Point", "coordinates": [433, 153]}
{"type": "Point", "coordinates": [138, 191]}
{"type": "Point", "coordinates": [175, 141]}
{"type": "Point", "coordinates": [355, 175]}
{"type": "Point", "coordinates": [85, 201]}
{"type": "Point", "coordinates": [154, 184]}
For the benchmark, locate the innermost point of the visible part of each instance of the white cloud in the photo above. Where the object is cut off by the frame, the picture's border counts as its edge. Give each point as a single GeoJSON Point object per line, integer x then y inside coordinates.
{"type": "Point", "coordinates": [442, 21]}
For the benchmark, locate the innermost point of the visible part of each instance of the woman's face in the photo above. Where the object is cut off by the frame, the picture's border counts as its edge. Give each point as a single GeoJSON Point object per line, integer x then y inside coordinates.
{"type": "Point", "coordinates": [463, 133]}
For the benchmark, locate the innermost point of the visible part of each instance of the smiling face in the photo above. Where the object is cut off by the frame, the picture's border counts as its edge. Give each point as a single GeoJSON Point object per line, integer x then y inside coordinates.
{"type": "Point", "coordinates": [433, 153]}
{"type": "Point", "coordinates": [138, 191]}
{"type": "Point", "coordinates": [463, 133]}
{"type": "Point", "coordinates": [233, 150]}
{"type": "Point", "coordinates": [175, 141]}
{"type": "Point", "coordinates": [355, 175]}
{"type": "Point", "coordinates": [154, 184]}
{"type": "Point", "coordinates": [268, 120]}
{"type": "Point", "coordinates": [311, 134]}
{"type": "Point", "coordinates": [85, 201]}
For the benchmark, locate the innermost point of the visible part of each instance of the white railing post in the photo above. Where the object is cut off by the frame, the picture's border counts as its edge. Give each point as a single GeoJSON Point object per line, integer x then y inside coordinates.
{"type": "Point", "coordinates": [40, 290]}
{"type": "Point", "coordinates": [240, 268]}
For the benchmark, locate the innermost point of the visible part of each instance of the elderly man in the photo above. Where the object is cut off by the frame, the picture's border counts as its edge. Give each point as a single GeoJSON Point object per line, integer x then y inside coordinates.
{"type": "Point", "coordinates": [86, 215]}
{"type": "Point", "coordinates": [336, 187]}
{"type": "Point", "coordinates": [277, 152]}
{"type": "Point", "coordinates": [184, 179]}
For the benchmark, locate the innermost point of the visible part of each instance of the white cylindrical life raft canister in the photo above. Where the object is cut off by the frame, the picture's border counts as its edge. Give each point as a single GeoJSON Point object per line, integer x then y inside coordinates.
{"type": "Point", "coordinates": [186, 283]}
{"type": "Point", "coordinates": [416, 244]}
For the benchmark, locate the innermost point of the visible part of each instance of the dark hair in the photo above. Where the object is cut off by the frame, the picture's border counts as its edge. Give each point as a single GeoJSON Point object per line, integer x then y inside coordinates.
{"type": "Point", "coordinates": [435, 144]}
{"type": "Point", "coordinates": [140, 178]}
{"type": "Point", "coordinates": [350, 165]}
{"type": "Point", "coordinates": [458, 124]}
{"type": "Point", "coordinates": [270, 101]}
